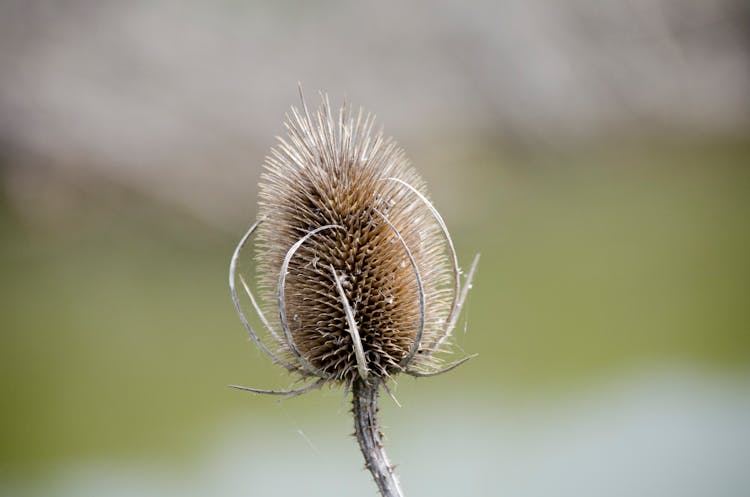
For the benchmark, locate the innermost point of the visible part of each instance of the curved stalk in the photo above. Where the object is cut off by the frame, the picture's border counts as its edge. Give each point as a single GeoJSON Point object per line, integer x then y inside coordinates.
{"type": "Point", "coordinates": [367, 431]}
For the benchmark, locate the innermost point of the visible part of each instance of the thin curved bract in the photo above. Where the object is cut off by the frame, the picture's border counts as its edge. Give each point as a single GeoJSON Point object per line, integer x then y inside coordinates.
{"type": "Point", "coordinates": [359, 352]}
{"type": "Point", "coordinates": [451, 248]}
{"type": "Point", "coordinates": [420, 290]}
{"type": "Point", "coordinates": [283, 393]}
{"type": "Point", "coordinates": [450, 367]}
{"type": "Point", "coordinates": [238, 306]}
{"type": "Point", "coordinates": [282, 300]}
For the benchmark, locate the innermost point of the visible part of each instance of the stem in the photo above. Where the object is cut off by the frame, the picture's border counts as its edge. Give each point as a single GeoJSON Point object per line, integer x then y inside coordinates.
{"type": "Point", "coordinates": [365, 402]}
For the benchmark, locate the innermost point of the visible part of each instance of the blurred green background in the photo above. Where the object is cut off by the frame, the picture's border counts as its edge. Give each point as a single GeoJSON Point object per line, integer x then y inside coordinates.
{"type": "Point", "coordinates": [610, 310]}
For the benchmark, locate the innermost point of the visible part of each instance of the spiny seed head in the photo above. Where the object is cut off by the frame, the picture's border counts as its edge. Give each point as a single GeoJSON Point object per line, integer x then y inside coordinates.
{"type": "Point", "coordinates": [351, 257]}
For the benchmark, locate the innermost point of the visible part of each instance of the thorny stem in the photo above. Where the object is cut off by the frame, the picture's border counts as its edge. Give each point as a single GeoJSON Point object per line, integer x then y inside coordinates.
{"type": "Point", "coordinates": [367, 431]}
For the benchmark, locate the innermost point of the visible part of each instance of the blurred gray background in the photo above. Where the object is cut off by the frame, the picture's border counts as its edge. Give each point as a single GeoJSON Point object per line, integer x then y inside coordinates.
{"type": "Point", "coordinates": [595, 152]}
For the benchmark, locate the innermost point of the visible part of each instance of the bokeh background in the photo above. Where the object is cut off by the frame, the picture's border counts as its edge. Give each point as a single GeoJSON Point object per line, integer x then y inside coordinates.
{"type": "Point", "coordinates": [596, 153]}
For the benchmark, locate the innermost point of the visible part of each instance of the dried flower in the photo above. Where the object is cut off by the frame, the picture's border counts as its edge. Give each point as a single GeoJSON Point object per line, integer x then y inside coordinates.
{"type": "Point", "coordinates": [352, 258]}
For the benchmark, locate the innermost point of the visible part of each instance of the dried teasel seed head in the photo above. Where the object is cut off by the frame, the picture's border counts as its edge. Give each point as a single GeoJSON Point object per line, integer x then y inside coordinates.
{"type": "Point", "coordinates": [351, 257]}
{"type": "Point", "coordinates": [356, 263]}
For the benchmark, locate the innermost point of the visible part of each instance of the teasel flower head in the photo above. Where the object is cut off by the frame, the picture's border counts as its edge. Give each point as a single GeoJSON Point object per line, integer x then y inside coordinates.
{"type": "Point", "coordinates": [357, 274]}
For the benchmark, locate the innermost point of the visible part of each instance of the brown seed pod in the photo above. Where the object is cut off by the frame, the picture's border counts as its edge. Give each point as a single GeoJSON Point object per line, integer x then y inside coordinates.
{"type": "Point", "coordinates": [353, 261]}
{"type": "Point", "coordinates": [356, 265]}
